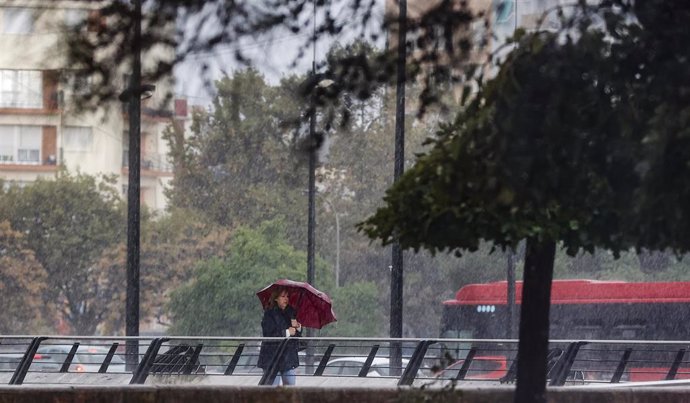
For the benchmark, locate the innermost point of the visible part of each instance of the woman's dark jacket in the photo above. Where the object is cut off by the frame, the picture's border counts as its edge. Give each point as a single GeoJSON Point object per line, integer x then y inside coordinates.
{"type": "Point", "coordinates": [274, 324]}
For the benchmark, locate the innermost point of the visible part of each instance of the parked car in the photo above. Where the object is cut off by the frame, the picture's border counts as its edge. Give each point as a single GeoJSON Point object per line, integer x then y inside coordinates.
{"type": "Point", "coordinates": [249, 359]}
{"type": "Point", "coordinates": [350, 366]}
{"type": "Point", "coordinates": [481, 368]}
{"type": "Point", "coordinates": [49, 358]}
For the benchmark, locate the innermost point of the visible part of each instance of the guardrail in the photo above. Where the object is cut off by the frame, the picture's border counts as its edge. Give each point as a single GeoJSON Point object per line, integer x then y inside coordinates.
{"type": "Point", "coordinates": [56, 360]}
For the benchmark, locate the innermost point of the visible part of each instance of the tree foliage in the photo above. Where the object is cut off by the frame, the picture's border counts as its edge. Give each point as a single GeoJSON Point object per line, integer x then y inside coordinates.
{"type": "Point", "coordinates": [220, 298]}
{"type": "Point", "coordinates": [172, 247]}
{"type": "Point", "coordinates": [22, 284]}
{"type": "Point", "coordinates": [564, 144]}
{"type": "Point", "coordinates": [68, 223]}
{"type": "Point", "coordinates": [209, 26]}
{"type": "Point", "coordinates": [522, 160]}
{"type": "Point", "coordinates": [354, 170]}
{"type": "Point", "coordinates": [240, 165]}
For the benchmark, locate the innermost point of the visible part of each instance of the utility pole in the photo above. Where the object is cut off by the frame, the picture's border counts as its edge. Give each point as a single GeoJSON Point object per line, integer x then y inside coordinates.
{"type": "Point", "coordinates": [510, 268]}
{"type": "Point", "coordinates": [133, 195]}
{"type": "Point", "coordinates": [311, 190]}
{"type": "Point", "coordinates": [337, 239]}
{"type": "Point", "coordinates": [396, 313]}
{"type": "Point", "coordinates": [510, 280]}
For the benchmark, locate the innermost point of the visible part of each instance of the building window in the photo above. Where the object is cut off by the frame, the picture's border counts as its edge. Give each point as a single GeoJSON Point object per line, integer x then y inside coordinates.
{"type": "Point", "coordinates": [20, 144]}
{"type": "Point", "coordinates": [77, 138]}
{"type": "Point", "coordinates": [17, 21]}
{"type": "Point", "coordinates": [21, 89]}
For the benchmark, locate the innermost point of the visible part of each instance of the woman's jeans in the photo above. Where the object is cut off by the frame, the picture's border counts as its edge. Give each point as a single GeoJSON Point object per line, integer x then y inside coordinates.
{"type": "Point", "coordinates": [288, 377]}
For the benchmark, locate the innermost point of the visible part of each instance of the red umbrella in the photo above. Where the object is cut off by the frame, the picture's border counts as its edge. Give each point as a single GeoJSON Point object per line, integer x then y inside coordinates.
{"type": "Point", "coordinates": [314, 308]}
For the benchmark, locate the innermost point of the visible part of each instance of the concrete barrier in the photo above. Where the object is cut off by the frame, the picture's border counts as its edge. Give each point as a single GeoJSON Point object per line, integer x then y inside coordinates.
{"type": "Point", "coordinates": [235, 394]}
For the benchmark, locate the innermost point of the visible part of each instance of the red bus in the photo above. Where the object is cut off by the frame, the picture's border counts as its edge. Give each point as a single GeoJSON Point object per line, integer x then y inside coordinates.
{"type": "Point", "coordinates": [580, 310]}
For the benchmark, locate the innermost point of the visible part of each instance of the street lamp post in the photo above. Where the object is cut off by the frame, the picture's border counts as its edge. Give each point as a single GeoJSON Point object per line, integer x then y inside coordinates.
{"type": "Point", "coordinates": [396, 312]}
{"type": "Point", "coordinates": [313, 83]}
{"type": "Point", "coordinates": [337, 234]}
{"type": "Point", "coordinates": [337, 240]}
{"type": "Point", "coordinates": [133, 95]}
{"type": "Point", "coordinates": [133, 195]}
{"type": "Point", "coordinates": [510, 280]}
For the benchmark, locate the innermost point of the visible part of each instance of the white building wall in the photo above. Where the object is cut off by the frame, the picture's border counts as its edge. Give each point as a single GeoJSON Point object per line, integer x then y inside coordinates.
{"type": "Point", "coordinates": [40, 48]}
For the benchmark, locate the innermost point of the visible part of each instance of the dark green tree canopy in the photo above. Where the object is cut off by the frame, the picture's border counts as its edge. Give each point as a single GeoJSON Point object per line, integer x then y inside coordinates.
{"type": "Point", "coordinates": [581, 138]}
{"type": "Point", "coordinates": [239, 155]}
{"type": "Point", "coordinates": [540, 152]}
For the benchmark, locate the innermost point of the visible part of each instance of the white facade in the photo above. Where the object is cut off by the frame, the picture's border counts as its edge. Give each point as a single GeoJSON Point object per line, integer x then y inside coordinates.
{"type": "Point", "coordinates": [40, 132]}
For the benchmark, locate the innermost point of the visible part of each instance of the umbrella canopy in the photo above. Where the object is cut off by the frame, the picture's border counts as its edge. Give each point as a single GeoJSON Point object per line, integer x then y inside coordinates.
{"type": "Point", "coordinates": [314, 307]}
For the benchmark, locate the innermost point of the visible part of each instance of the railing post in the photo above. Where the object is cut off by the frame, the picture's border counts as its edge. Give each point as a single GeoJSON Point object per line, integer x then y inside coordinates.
{"type": "Point", "coordinates": [676, 363]}
{"type": "Point", "coordinates": [562, 367]}
{"type": "Point", "coordinates": [23, 367]}
{"type": "Point", "coordinates": [270, 374]}
{"type": "Point", "coordinates": [69, 358]}
{"type": "Point", "coordinates": [109, 357]}
{"type": "Point", "coordinates": [235, 358]}
{"type": "Point", "coordinates": [324, 360]}
{"type": "Point", "coordinates": [415, 362]}
{"type": "Point", "coordinates": [367, 363]}
{"type": "Point", "coordinates": [142, 371]}
{"type": "Point", "coordinates": [621, 366]}
{"type": "Point", "coordinates": [466, 364]}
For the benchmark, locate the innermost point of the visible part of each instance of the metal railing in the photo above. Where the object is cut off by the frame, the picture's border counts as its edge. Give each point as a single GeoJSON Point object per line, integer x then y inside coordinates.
{"type": "Point", "coordinates": [27, 360]}
{"type": "Point", "coordinates": [150, 161]}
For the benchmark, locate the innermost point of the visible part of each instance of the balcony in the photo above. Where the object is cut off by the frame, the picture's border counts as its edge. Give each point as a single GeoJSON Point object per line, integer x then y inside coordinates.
{"type": "Point", "coordinates": [150, 162]}
{"type": "Point", "coordinates": [28, 159]}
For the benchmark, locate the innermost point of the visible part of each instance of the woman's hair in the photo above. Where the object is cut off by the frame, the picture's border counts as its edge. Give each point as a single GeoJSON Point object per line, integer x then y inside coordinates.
{"type": "Point", "coordinates": [276, 292]}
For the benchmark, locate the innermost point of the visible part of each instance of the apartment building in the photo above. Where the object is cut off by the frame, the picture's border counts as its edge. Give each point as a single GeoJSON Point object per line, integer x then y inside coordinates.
{"type": "Point", "coordinates": [41, 131]}
{"type": "Point", "coordinates": [496, 21]}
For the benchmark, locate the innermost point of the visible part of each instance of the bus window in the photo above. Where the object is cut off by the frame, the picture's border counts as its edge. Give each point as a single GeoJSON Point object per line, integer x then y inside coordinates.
{"type": "Point", "coordinates": [457, 350]}
{"type": "Point", "coordinates": [629, 332]}
{"type": "Point", "coordinates": [586, 332]}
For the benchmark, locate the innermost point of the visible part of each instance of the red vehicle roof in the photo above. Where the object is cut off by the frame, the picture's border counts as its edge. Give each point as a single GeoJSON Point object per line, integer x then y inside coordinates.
{"type": "Point", "coordinates": [578, 292]}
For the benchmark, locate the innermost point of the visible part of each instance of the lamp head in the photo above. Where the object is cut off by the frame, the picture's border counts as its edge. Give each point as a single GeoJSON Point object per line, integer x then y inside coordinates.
{"type": "Point", "coordinates": [145, 92]}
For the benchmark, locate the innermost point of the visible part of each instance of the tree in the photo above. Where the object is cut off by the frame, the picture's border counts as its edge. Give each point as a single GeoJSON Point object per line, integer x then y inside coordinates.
{"type": "Point", "coordinates": [240, 189]}
{"type": "Point", "coordinates": [543, 154]}
{"type": "Point", "coordinates": [438, 51]}
{"type": "Point", "coordinates": [356, 305]}
{"type": "Point", "coordinates": [172, 247]}
{"type": "Point", "coordinates": [22, 284]}
{"type": "Point", "coordinates": [660, 110]}
{"type": "Point", "coordinates": [220, 298]}
{"type": "Point", "coordinates": [68, 223]}
{"type": "Point", "coordinates": [238, 166]}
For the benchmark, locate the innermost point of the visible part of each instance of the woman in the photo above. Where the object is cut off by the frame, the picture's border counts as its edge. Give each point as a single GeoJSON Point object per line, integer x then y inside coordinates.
{"type": "Point", "coordinates": [280, 321]}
